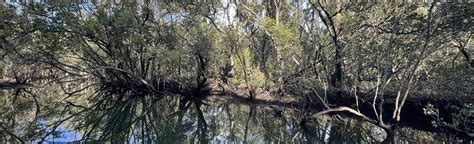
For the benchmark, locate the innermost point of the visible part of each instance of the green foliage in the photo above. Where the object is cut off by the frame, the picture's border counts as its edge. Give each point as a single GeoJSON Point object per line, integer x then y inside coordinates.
{"type": "Point", "coordinates": [283, 34]}
{"type": "Point", "coordinates": [256, 79]}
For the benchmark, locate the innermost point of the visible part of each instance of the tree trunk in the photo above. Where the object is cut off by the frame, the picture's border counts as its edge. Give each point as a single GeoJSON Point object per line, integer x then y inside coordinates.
{"type": "Point", "coordinates": [337, 82]}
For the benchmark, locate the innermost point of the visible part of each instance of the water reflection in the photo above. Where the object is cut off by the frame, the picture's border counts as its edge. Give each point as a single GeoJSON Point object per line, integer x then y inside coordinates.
{"type": "Point", "coordinates": [118, 117]}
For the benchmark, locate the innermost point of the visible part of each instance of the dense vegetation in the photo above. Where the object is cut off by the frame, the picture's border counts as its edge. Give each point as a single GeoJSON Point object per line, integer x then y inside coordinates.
{"type": "Point", "coordinates": [368, 59]}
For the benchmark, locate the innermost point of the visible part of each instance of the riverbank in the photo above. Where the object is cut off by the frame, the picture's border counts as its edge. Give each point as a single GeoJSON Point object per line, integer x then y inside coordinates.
{"type": "Point", "coordinates": [412, 116]}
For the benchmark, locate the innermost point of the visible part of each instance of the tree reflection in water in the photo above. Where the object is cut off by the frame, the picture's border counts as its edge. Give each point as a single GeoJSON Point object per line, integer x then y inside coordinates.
{"type": "Point", "coordinates": [122, 117]}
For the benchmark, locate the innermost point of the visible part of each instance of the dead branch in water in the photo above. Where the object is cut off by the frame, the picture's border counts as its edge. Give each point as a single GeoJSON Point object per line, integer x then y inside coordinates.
{"type": "Point", "coordinates": [350, 110]}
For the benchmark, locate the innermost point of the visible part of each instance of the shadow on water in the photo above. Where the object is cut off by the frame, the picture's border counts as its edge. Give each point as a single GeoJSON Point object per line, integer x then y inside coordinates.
{"type": "Point", "coordinates": [123, 117]}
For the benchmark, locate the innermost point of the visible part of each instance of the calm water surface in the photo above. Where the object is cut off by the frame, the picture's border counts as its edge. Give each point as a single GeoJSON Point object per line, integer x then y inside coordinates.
{"type": "Point", "coordinates": [172, 119]}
